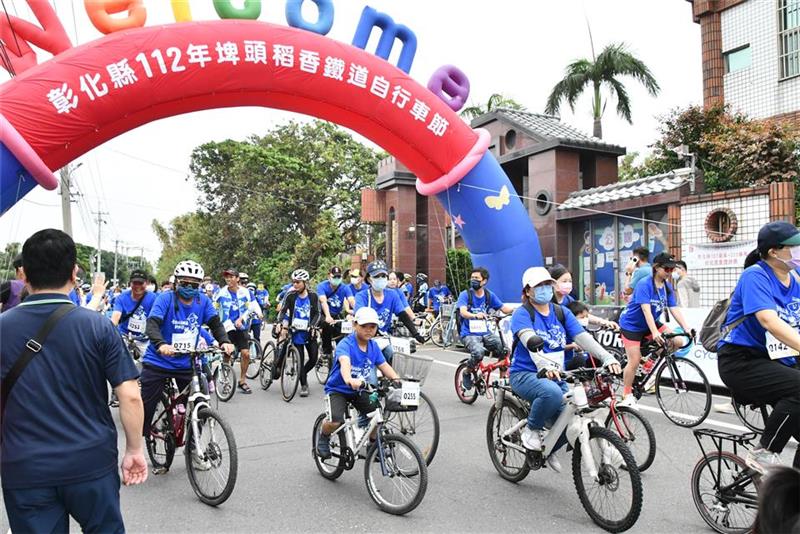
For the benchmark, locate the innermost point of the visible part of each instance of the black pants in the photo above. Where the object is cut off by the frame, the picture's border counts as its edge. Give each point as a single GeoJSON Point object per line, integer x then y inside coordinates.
{"type": "Point", "coordinates": [313, 350]}
{"type": "Point", "coordinates": [256, 330]}
{"type": "Point", "coordinates": [755, 379]}
{"type": "Point", "coordinates": [329, 331]}
{"type": "Point", "coordinates": [153, 379]}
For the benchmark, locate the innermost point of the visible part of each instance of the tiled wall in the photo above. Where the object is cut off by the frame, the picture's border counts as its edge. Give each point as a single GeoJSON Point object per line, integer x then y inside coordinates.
{"type": "Point", "coordinates": [756, 90]}
{"type": "Point", "coordinates": [751, 212]}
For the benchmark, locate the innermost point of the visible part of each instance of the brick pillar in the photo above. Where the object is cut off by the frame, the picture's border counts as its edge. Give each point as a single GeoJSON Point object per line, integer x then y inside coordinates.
{"type": "Point", "coordinates": [781, 202]}
{"type": "Point", "coordinates": [713, 65]}
{"type": "Point", "coordinates": [674, 231]}
{"type": "Point", "coordinates": [437, 236]}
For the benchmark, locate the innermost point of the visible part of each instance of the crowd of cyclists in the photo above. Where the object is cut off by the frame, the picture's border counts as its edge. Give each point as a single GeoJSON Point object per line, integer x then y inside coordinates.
{"type": "Point", "coordinates": [757, 355]}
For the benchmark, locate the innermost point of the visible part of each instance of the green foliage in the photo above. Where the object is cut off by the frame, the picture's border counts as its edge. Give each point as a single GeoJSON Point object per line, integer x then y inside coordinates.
{"type": "Point", "coordinates": [7, 260]}
{"type": "Point", "coordinates": [495, 101]}
{"type": "Point", "coordinates": [459, 265]}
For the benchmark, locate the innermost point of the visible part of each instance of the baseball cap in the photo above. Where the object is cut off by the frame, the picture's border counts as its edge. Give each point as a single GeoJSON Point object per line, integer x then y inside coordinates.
{"type": "Point", "coordinates": [335, 271]}
{"type": "Point", "coordinates": [665, 260]}
{"type": "Point", "coordinates": [230, 271]}
{"type": "Point", "coordinates": [377, 267]}
{"type": "Point", "coordinates": [366, 315]}
{"type": "Point", "coordinates": [355, 272]}
{"type": "Point", "coordinates": [139, 275]}
{"type": "Point", "coordinates": [534, 276]}
{"type": "Point", "coordinates": [777, 233]}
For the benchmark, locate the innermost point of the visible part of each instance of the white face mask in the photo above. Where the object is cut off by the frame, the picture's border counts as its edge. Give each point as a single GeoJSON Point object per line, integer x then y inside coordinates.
{"type": "Point", "coordinates": [583, 321]}
{"type": "Point", "coordinates": [353, 280]}
{"type": "Point", "coordinates": [150, 287]}
{"type": "Point", "coordinates": [676, 275]}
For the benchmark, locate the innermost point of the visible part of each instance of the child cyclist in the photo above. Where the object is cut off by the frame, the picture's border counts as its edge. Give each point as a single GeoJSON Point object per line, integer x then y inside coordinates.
{"type": "Point", "coordinates": [356, 357]}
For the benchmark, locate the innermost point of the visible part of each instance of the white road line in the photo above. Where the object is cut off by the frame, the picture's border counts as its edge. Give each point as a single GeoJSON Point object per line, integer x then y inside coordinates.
{"type": "Point", "coordinates": [447, 364]}
{"type": "Point", "coordinates": [714, 422]}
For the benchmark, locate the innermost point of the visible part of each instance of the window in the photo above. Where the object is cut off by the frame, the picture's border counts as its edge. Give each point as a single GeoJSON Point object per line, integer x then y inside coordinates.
{"type": "Point", "coordinates": [789, 37]}
{"type": "Point", "coordinates": [737, 59]}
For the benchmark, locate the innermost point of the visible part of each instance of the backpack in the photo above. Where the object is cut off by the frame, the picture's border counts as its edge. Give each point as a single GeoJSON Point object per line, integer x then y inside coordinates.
{"type": "Point", "coordinates": [559, 310]}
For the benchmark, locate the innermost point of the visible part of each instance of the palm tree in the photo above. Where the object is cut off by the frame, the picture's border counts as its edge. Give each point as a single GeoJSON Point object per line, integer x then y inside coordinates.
{"type": "Point", "coordinates": [495, 101]}
{"type": "Point", "coordinates": [614, 61]}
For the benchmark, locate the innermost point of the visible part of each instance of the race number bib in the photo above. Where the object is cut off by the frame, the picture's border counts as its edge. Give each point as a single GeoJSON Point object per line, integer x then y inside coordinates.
{"type": "Point", "coordinates": [300, 324]}
{"type": "Point", "coordinates": [410, 394]}
{"type": "Point", "coordinates": [401, 344]}
{"type": "Point", "coordinates": [347, 327]}
{"type": "Point", "coordinates": [777, 349]}
{"type": "Point", "coordinates": [556, 358]}
{"type": "Point", "coordinates": [184, 341]}
{"type": "Point", "coordinates": [229, 326]}
{"type": "Point", "coordinates": [477, 326]}
{"type": "Point", "coordinates": [136, 325]}
{"type": "Point", "coordinates": [382, 342]}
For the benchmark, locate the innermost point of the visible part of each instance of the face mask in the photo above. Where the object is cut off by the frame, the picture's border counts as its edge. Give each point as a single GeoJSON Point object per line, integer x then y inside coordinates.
{"type": "Point", "coordinates": [336, 281]}
{"type": "Point", "coordinates": [794, 261]}
{"type": "Point", "coordinates": [583, 321]}
{"type": "Point", "coordinates": [565, 288]}
{"type": "Point", "coordinates": [475, 284]}
{"type": "Point", "coordinates": [380, 283]}
{"type": "Point", "coordinates": [542, 294]}
{"type": "Point", "coordinates": [676, 275]}
{"type": "Point", "coordinates": [188, 292]}
{"type": "Point", "coordinates": [150, 287]}
{"type": "Point", "coordinates": [353, 280]}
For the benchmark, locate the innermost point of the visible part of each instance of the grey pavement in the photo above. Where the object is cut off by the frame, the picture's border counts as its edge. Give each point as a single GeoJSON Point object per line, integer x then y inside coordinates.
{"type": "Point", "coordinates": [279, 489]}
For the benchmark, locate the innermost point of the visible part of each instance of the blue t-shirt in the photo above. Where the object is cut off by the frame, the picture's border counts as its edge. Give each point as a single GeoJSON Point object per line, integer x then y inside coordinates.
{"type": "Point", "coordinates": [74, 297]}
{"type": "Point", "coordinates": [302, 312]}
{"type": "Point", "coordinates": [234, 306]}
{"type": "Point", "coordinates": [478, 306]}
{"type": "Point", "coordinates": [639, 274]}
{"type": "Point", "coordinates": [632, 318]}
{"type": "Point", "coordinates": [435, 293]}
{"type": "Point", "coordinates": [408, 289]}
{"type": "Point", "coordinates": [335, 297]}
{"type": "Point", "coordinates": [549, 328]}
{"type": "Point", "coordinates": [567, 300]}
{"type": "Point", "coordinates": [181, 327]}
{"type": "Point", "coordinates": [57, 428]}
{"type": "Point", "coordinates": [361, 364]}
{"type": "Point", "coordinates": [392, 305]}
{"type": "Point", "coordinates": [356, 290]}
{"type": "Point", "coordinates": [759, 289]}
{"type": "Point", "coordinates": [125, 303]}
{"type": "Point", "coordinates": [400, 294]}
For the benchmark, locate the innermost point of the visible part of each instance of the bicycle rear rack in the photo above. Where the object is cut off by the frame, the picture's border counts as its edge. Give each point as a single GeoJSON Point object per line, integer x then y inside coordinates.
{"type": "Point", "coordinates": [718, 437]}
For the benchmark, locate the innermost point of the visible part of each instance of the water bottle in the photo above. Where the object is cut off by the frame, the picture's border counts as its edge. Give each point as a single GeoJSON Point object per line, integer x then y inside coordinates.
{"type": "Point", "coordinates": [579, 396]}
{"type": "Point", "coordinates": [180, 415]}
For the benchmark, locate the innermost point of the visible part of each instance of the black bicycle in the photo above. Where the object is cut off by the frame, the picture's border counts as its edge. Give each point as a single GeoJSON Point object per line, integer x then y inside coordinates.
{"type": "Point", "coordinates": [753, 416]}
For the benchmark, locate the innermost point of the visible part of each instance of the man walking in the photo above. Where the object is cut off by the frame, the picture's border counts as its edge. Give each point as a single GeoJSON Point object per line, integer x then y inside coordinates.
{"type": "Point", "coordinates": [59, 442]}
{"type": "Point", "coordinates": [687, 287]}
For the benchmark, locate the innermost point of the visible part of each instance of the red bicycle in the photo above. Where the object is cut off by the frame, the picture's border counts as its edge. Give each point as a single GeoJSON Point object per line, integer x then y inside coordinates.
{"type": "Point", "coordinates": [481, 376]}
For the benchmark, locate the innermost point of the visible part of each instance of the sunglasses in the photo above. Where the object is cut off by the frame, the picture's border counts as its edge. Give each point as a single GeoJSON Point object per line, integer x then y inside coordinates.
{"type": "Point", "coordinates": [193, 285]}
{"type": "Point", "coordinates": [668, 269]}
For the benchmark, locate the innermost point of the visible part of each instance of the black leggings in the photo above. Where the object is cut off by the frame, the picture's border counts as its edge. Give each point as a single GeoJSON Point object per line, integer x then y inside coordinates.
{"type": "Point", "coordinates": [313, 350]}
{"type": "Point", "coordinates": [329, 331]}
{"type": "Point", "coordinates": [153, 379]}
{"type": "Point", "coordinates": [755, 379]}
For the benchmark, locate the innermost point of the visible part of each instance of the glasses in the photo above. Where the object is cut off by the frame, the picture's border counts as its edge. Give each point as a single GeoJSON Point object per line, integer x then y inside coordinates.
{"type": "Point", "coordinates": [193, 285]}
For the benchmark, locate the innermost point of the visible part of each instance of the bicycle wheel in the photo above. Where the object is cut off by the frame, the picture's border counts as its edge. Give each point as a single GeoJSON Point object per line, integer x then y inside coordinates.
{"type": "Point", "coordinates": [509, 462]}
{"type": "Point", "coordinates": [731, 511]}
{"type": "Point", "coordinates": [161, 440]}
{"type": "Point", "coordinates": [421, 426]}
{"type": "Point", "coordinates": [437, 334]}
{"type": "Point", "coordinates": [637, 433]}
{"type": "Point", "coordinates": [683, 404]}
{"type": "Point", "coordinates": [322, 368]}
{"type": "Point", "coordinates": [213, 461]}
{"type": "Point", "coordinates": [613, 499]}
{"type": "Point", "coordinates": [225, 381]}
{"type": "Point", "coordinates": [467, 396]}
{"type": "Point", "coordinates": [396, 474]}
{"type": "Point", "coordinates": [425, 328]}
{"type": "Point", "coordinates": [752, 416]}
{"type": "Point", "coordinates": [333, 467]}
{"type": "Point", "coordinates": [256, 354]}
{"type": "Point", "coordinates": [267, 363]}
{"type": "Point", "coordinates": [290, 375]}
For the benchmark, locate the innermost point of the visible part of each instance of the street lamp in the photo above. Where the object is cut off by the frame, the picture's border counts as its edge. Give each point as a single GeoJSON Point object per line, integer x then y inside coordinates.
{"type": "Point", "coordinates": [683, 152]}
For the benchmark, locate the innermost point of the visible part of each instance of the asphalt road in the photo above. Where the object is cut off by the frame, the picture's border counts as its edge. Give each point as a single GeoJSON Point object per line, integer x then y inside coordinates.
{"type": "Point", "coordinates": [279, 489]}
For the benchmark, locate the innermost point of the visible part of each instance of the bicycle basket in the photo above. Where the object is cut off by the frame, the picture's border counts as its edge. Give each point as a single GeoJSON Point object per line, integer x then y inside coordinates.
{"type": "Point", "coordinates": [446, 310]}
{"type": "Point", "coordinates": [394, 401]}
{"type": "Point", "coordinates": [412, 366]}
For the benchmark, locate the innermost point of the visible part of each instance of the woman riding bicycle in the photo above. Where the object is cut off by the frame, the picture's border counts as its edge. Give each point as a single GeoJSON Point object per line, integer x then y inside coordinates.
{"type": "Point", "coordinates": [758, 353]}
{"type": "Point", "coordinates": [301, 310]}
{"type": "Point", "coordinates": [641, 320]}
{"type": "Point", "coordinates": [541, 328]}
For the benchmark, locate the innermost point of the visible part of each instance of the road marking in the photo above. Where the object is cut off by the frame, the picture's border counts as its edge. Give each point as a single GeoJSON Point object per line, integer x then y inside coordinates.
{"type": "Point", "coordinates": [714, 422]}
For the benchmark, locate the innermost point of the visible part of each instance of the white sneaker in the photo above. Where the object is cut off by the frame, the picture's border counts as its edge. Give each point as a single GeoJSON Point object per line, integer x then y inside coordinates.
{"type": "Point", "coordinates": [532, 439]}
{"type": "Point", "coordinates": [199, 464]}
{"type": "Point", "coordinates": [761, 460]}
{"type": "Point", "coordinates": [554, 464]}
{"type": "Point", "coordinates": [628, 401]}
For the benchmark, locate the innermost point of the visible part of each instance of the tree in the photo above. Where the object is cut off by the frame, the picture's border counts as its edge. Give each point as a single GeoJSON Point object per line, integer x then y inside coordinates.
{"type": "Point", "coordinates": [459, 265]}
{"type": "Point", "coordinates": [495, 101]}
{"type": "Point", "coordinates": [7, 256]}
{"type": "Point", "coordinates": [605, 69]}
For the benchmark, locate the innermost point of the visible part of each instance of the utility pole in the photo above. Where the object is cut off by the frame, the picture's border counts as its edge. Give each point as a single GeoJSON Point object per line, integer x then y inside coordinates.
{"type": "Point", "coordinates": [100, 223]}
{"type": "Point", "coordinates": [116, 246]}
{"type": "Point", "coordinates": [66, 197]}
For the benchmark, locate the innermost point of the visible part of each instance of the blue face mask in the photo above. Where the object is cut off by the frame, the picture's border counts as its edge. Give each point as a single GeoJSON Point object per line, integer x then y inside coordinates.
{"type": "Point", "coordinates": [543, 294]}
{"type": "Point", "coordinates": [380, 283]}
{"type": "Point", "coordinates": [475, 284]}
{"type": "Point", "coordinates": [188, 293]}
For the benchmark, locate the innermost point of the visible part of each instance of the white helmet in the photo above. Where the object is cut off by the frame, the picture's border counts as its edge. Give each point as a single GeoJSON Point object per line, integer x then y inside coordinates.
{"type": "Point", "coordinates": [189, 269]}
{"type": "Point", "coordinates": [300, 274]}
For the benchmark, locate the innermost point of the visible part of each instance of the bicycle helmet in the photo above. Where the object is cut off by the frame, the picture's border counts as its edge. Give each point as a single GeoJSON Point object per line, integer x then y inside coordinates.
{"type": "Point", "coordinates": [300, 274]}
{"type": "Point", "coordinates": [86, 287]}
{"type": "Point", "coordinates": [189, 269]}
{"type": "Point", "coordinates": [251, 286]}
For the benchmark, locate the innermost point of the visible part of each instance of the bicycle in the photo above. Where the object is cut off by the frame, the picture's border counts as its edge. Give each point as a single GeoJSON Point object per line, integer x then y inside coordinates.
{"type": "Point", "coordinates": [266, 365]}
{"type": "Point", "coordinates": [724, 488]}
{"type": "Point", "coordinates": [185, 419]}
{"type": "Point", "coordinates": [481, 375]}
{"type": "Point", "coordinates": [395, 472]}
{"type": "Point", "coordinates": [444, 331]}
{"type": "Point", "coordinates": [133, 346]}
{"type": "Point", "coordinates": [753, 416]}
{"type": "Point", "coordinates": [603, 467]}
{"type": "Point", "coordinates": [256, 355]}
{"type": "Point", "coordinates": [291, 364]}
{"type": "Point", "coordinates": [324, 364]}
{"type": "Point", "coordinates": [671, 376]}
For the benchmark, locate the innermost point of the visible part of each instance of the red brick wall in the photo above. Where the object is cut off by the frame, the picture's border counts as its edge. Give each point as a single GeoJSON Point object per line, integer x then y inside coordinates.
{"type": "Point", "coordinates": [713, 65]}
{"type": "Point", "coordinates": [792, 117]}
{"type": "Point", "coordinates": [606, 172]}
{"type": "Point", "coordinates": [436, 246]}
{"type": "Point", "coordinates": [781, 202]}
{"type": "Point", "coordinates": [373, 206]}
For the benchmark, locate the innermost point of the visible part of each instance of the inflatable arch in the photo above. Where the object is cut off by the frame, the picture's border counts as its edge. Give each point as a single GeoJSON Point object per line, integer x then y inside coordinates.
{"type": "Point", "coordinates": [55, 112]}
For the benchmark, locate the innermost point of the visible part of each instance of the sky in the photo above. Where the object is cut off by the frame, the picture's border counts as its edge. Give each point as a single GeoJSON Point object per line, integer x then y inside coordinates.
{"type": "Point", "coordinates": [515, 47]}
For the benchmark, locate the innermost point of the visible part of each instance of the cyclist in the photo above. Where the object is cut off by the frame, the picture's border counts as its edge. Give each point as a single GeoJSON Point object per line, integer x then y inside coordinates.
{"type": "Point", "coordinates": [474, 305]}
{"type": "Point", "coordinates": [356, 282]}
{"type": "Point", "coordinates": [173, 327]}
{"type": "Point", "coordinates": [563, 296]}
{"type": "Point", "coordinates": [388, 304]}
{"type": "Point", "coordinates": [422, 293]}
{"type": "Point", "coordinates": [333, 300]}
{"type": "Point", "coordinates": [235, 311]}
{"type": "Point", "coordinates": [301, 309]}
{"type": "Point", "coordinates": [130, 313]}
{"type": "Point", "coordinates": [357, 357]}
{"type": "Point", "coordinates": [436, 295]}
{"type": "Point", "coordinates": [758, 354]}
{"type": "Point", "coordinates": [262, 297]}
{"type": "Point", "coordinates": [408, 289]}
{"type": "Point", "coordinates": [541, 328]}
{"type": "Point", "coordinates": [641, 319]}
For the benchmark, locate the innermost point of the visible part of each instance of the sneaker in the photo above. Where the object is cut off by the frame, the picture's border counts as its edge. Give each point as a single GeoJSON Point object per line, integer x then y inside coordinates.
{"type": "Point", "coordinates": [628, 401]}
{"type": "Point", "coordinates": [466, 380]}
{"type": "Point", "coordinates": [323, 446]}
{"type": "Point", "coordinates": [198, 464]}
{"type": "Point", "coordinates": [160, 470]}
{"type": "Point", "coordinates": [532, 439]}
{"type": "Point", "coordinates": [304, 391]}
{"type": "Point", "coordinates": [114, 403]}
{"type": "Point", "coordinates": [760, 460]}
{"type": "Point", "coordinates": [553, 463]}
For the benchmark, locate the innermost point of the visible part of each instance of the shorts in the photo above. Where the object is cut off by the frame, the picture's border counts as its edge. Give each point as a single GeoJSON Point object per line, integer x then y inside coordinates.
{"type": "Point", "coordinates": [635, 339]}
{"type": "Point", "coordinates": [240, 339]}
{"type": "Point", "coordinates": [360, 400]}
